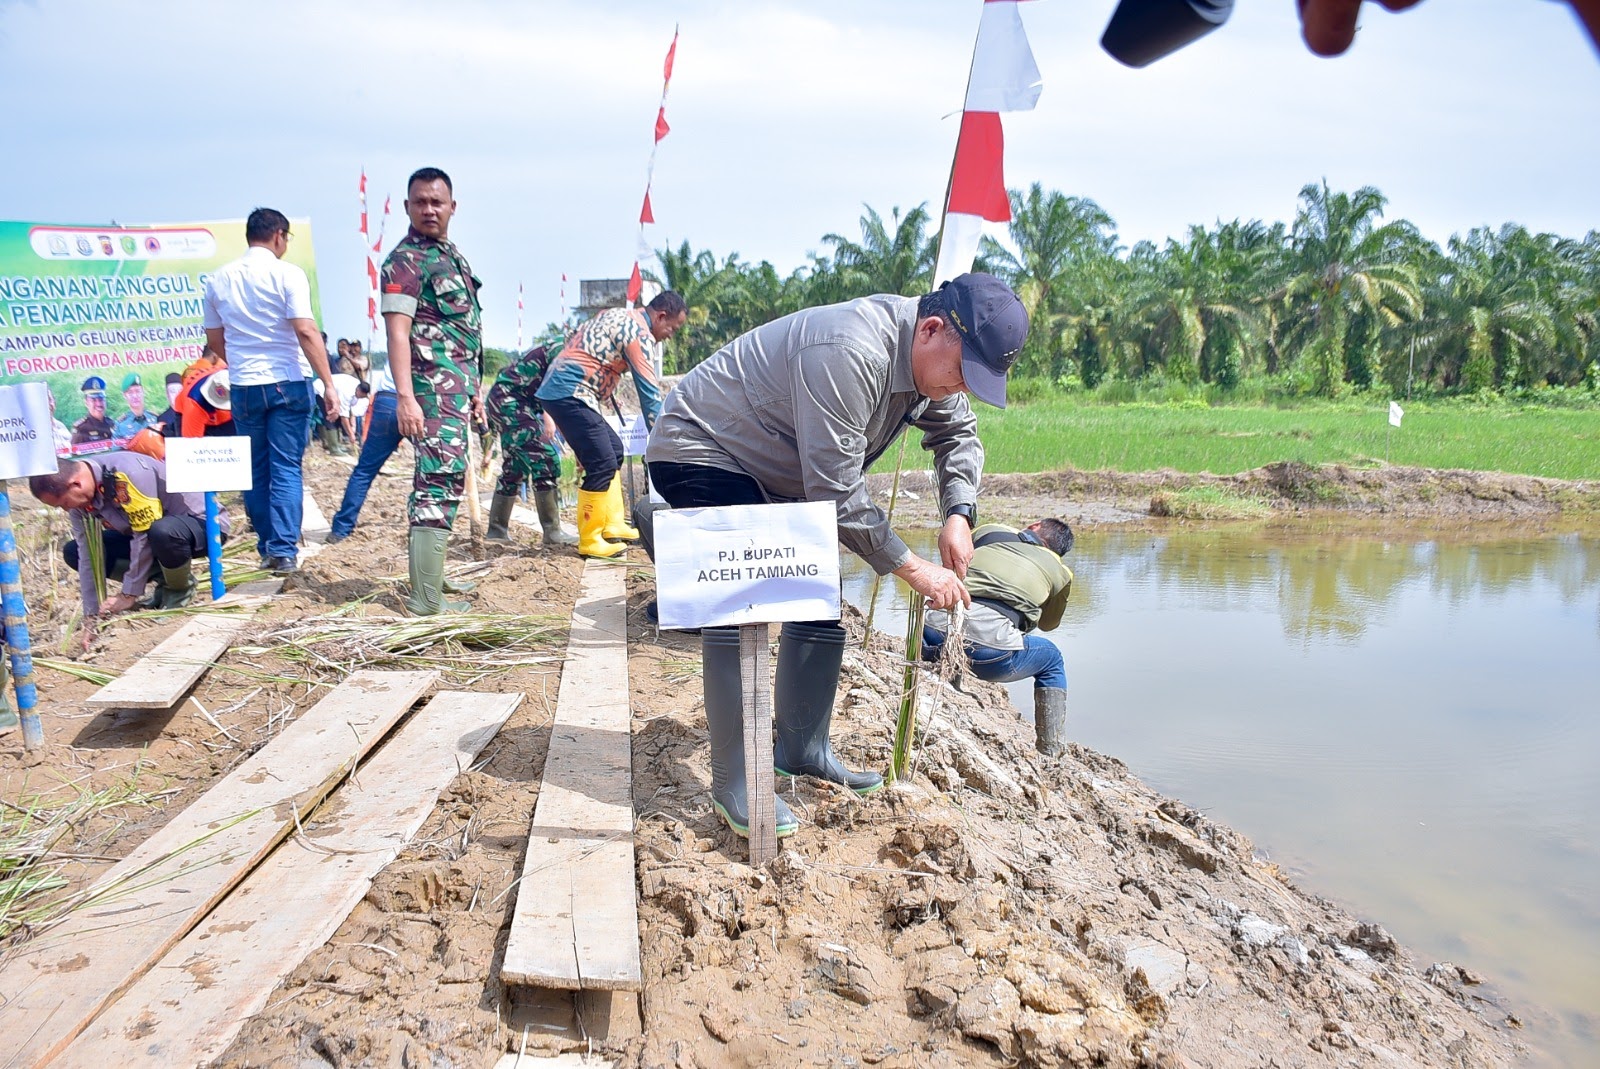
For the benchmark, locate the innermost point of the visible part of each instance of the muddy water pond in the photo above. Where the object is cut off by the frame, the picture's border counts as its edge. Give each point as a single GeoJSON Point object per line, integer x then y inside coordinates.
{"type": "Point", "coordinates": [1408, 724]}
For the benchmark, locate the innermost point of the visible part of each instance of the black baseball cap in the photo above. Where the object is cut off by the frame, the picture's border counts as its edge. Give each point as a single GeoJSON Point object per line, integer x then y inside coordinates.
{"type": "Point", "coordinates": [993, 325]}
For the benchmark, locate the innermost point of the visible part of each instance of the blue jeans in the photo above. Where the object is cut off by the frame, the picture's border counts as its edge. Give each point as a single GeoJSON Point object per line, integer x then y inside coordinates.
{"type": "Point", "coordinates": [273, 417]}
{"type": "Point", "coordinates": [382, 440]}
{"type": "Point", "coordinates": [313, 406]}
{"type": "Point", "coordinates": [593, 442]}
{"type": "Point", "coordinates": [1039, 658]}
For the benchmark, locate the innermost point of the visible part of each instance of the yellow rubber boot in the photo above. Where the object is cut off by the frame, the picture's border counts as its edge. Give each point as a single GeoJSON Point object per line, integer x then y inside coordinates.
{"type": "Point", "coordinates": [593, 506]}
{"type": "Point", "coordinates": [617, 527]}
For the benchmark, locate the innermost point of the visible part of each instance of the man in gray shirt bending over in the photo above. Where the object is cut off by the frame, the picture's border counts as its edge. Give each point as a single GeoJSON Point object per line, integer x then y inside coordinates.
{"type": "Point", "coordinates": [798, 410]}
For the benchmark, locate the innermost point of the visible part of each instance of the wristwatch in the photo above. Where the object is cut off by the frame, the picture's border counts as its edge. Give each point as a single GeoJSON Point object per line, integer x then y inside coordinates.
{"type": "Point", "coordinates": [966, 512]}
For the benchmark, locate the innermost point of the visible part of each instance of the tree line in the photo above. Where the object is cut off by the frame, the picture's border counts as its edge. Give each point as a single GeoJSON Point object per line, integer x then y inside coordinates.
{"type": "Point", "coordinates": [1338, 300]}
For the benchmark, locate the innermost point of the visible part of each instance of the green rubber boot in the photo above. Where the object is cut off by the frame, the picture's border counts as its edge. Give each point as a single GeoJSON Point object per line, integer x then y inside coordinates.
{"type": "Point", "coordinates": [8, 715]}
{"type": "Point", "coordinates": [724, 683]}
{"type": "Point", "coordinates": [548, 504]}
{"type": "Point", "coordinates": [809, 660]}
{"type": "Point", "coordinates": [500, 518]}
{"type": "Point", "coordinates": [426, 551]}
{"type": "Point", "coordinates": [1050, 721]}
{"type": "Point", "coordinates": [177, 588]}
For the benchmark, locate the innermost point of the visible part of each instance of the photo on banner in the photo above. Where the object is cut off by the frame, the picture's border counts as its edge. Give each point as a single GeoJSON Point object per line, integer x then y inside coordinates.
{"type": "Point", "coordinates": [104, 315]}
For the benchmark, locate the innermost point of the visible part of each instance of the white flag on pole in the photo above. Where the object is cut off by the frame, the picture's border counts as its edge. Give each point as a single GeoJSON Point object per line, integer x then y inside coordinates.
{"type": "Point", "coordinates": [1395, 412]}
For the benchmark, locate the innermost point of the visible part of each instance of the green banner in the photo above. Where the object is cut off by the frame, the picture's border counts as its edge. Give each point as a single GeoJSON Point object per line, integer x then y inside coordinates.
{"type": "Point", "coordinates": [104, 315]}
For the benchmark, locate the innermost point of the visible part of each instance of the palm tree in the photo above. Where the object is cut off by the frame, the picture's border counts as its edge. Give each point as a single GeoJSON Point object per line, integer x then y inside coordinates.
{"type": "Point", "coordinates": [1344, 265]}
{"type": "Point", "coordinates": [1060, 243]}
{"type": "Point", "coordinates": [1489, 321]}
{"type": "Point", "coordinates": [711, 290]}
{"type": "Point", "coordinates": [895, 258]}
{"type": "Point", "coordinates": [1196, 301]}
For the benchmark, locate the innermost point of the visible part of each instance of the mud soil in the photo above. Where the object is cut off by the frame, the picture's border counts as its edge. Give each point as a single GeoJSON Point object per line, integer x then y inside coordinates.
{"type": "Point", "coordinates": [995, 909]}
{"type": "Point", "coordinates": [1439, 498]}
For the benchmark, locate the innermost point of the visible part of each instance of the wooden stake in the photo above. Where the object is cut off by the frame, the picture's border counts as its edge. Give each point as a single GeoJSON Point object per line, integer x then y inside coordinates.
{"type": "Point", "coordinates": [755, 657]}
{"type": "Point", "coordinates": [474, 506]}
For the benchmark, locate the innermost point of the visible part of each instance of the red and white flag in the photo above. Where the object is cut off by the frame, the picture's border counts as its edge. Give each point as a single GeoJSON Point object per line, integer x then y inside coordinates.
{"type": "Point", "coordinates": [519, 317]}
{"type": "Point", "coordinates": [646, 214]}
{"type": "Point", "coordinates": [372, 253]}
{"type": "Point", "coordinates": [1004, 78]}
{"type": "Point", "coordinates": [563, 293]}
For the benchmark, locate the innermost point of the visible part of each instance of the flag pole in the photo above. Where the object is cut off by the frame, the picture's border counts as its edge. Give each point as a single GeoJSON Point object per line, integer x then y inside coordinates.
{"type": "Point", "coordinates": [950, 179]}
{"type": "Point", "coordinates": [944, 210]}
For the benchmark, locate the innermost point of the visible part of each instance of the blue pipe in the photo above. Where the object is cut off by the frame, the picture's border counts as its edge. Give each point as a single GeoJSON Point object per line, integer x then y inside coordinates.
{"type": "Point", "coordinates": [214, 544]}
{"type": "Point", "coordinates": [16, 617]}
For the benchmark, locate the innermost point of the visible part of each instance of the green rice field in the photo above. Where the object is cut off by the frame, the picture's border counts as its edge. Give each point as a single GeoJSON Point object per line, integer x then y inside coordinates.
{"type": "Point", "coordinates": [1047, 435]}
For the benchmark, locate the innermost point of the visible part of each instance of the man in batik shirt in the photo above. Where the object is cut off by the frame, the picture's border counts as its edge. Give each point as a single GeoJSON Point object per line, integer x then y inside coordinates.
{"type": "Point", "coordinates": [582, 378]}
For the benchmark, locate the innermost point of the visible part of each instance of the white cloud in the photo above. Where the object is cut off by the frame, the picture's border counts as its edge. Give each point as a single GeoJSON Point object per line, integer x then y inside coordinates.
{"type": "Point", "coordinates": [786, 117]}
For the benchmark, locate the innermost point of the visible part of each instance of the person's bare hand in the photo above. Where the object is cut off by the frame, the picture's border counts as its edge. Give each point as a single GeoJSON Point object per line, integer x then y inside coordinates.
{"type": "Point", "coordinates": [1330, 25]}
{"type": "Point", "coordinates": [940, 586]}
{"type": "Point", "coordinates": [408, 414]}
{"type": "Point", "coordinates": [955, 545]}
{"type": "Point", "coordinates": [330, 402]}
{"type": "Point", "coordinates": [118, 603]}
{"type": "Point", "coordinates": [478, 416]}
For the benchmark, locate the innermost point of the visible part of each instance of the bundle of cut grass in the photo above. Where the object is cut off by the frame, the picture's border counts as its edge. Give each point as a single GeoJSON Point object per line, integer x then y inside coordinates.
{"type": "Point", "coordinates": [32, 827]}
{"type": "Point", "coordinates": [464, 646]}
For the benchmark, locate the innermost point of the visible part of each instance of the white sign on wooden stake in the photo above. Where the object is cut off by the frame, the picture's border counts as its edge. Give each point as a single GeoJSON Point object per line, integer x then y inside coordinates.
{"type": "Point", "coordinates": [27, 442]}
{"type": "Point", "coordinates": [195, 465]}
{"type": "Point", "coordinates": [634, 433]}
{"type": "Point", "coordinates": [747, 564]}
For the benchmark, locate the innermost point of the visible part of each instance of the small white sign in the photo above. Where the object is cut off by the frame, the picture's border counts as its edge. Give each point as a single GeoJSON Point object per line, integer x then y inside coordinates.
{"type": "Point", "coordinates": [27, 442]}
{"type": "Point", "coordinates": [636, 436]}
{"type": "Point", "coordinates": [195, 465]}
{"type": "Point", "coordinates": [1395, 412]}
{"type": "Point", "coordinates": [747, 564]}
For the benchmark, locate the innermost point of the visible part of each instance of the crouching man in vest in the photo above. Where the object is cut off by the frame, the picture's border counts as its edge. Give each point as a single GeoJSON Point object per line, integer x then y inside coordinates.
{"type": "Point", "coordinates": [1019, 585]}
{"type": "Point", "coordinates": [147, 529]}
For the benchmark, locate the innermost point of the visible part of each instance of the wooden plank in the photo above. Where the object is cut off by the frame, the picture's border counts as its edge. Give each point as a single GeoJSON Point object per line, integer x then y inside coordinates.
{"type": "Point", "coordinates": [755, 677]}
{"type": "Point", "coordinates": [161, 678]}
{"type": "Point", "coordinates": [53, 986]}
{"type": "Point", "coordinates": [576, 923]}
{"type": "Point", "coordinates": [257, 592]}
{"type": "Point", "coordinates": [313, 524]}
{"type": "Point", "coordinates": [190, 1008]}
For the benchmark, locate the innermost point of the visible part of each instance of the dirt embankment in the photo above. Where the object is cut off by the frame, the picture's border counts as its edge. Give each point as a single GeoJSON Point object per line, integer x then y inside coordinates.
{"type": "Point", "coordinates": [995, 909]}
{"type": "Point", "coordinates": [998, 909]}
{"type": "Point", "coordinates": [1286, 489]}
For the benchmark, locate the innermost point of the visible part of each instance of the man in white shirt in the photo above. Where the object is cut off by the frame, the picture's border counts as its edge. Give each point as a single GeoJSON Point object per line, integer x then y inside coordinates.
{"type": "Point", "coordinates": [258, 318]}
{"type": "Point", "coordinates": [335, 432]}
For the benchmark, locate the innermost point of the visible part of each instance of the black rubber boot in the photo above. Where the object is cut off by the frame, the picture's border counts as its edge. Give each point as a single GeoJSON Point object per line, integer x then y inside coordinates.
{"type": "Point", "coordinates": [1050, 720]}
{"type": "Point", "coordinates": [809, 658]}
{"type": "Point", "coordinates": [644, 519]}
{"type": "Point", "coordinates": [719, 650]}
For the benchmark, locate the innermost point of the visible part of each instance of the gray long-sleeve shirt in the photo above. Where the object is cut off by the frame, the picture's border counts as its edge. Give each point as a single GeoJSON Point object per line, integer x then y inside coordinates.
{"type": "Point", "coordinates": [805, 404]}
{"type": "Point", "coordinates": [132, 495]}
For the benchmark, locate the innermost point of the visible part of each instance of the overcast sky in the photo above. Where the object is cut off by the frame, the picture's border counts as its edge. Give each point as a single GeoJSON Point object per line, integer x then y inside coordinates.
{"type": "Point", "coordinates": [787, 116]}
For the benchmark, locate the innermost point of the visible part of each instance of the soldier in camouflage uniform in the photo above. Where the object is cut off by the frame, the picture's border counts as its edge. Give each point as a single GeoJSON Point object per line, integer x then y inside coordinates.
{"type": "Point", "coordinates": [433, 325]}
{"type": "Point", "coordinates": [527, 447]}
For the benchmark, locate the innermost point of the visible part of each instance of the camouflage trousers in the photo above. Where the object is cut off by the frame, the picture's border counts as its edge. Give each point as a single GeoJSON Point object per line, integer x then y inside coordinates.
{"type": "Point", "coordinates": [440, 478]}
{"type": "Point", "coordinates": [525, 454]}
